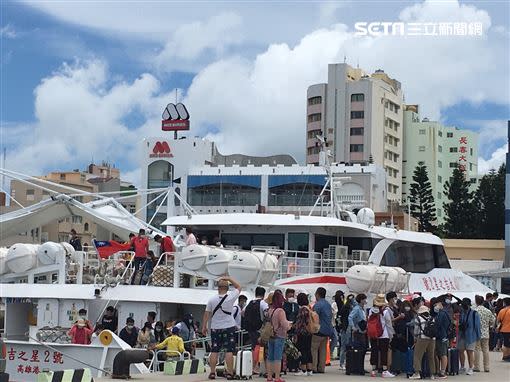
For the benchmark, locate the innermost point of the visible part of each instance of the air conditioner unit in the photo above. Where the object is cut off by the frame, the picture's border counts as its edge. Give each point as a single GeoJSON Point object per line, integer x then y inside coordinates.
{"type": "Point", "coordinates": [360, 255]}
{"type": "Point", "coordinates": [337, 257]}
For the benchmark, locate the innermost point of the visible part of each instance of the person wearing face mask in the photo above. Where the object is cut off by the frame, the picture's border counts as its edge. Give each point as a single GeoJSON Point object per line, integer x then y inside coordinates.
{"type": "Point", "coordinates": [187, 331]}
{"type": "Point", "coordinates": [443, 323]}
{"type": "Point", "coordinates": [237, 311]}
{"type": "Point", "coordinates": [129, 334]}
{"type": "Point", "coordinates": [403, 339]}
{"type": "Point", "coordinates": [159, 332]}
{"type": "Point", "coordinates": [290, 306]}
{"type": "Point", "coordinates": [83, 315]}
{"type": "Point", "coordinates": [469, 334]}
{"type": "Point", "coordinates": [358, 321]}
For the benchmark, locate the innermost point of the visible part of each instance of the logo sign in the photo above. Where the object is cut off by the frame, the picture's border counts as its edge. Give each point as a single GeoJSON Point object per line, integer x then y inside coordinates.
{"type": "Point", "coordinates": [435, 29]}
{"type": "Point", "coordinates": [175, 118]}
{"type": "Point", "coordinates": [161, 150]}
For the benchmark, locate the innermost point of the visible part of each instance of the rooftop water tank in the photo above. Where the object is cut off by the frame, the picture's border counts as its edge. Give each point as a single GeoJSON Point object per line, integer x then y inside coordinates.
{"type": "Point", "coordinates": [21, 257]}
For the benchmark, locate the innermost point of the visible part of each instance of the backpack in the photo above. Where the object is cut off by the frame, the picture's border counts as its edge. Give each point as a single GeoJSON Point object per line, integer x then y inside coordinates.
{"type": "Point", "coordinates": [343, 317]}
{"type": "Point", "coordinates": [314, 325]}
{"type": "Point", "coordinates": [430, 329]}
{"type": "Point", "coordinates": [251, 320]}
{"type": "Point", "coordinates": [267, 331]}
{"type": "Point", "coordinates": [291, 310]}
{"type": "Point", "coordinates": [374, 326]}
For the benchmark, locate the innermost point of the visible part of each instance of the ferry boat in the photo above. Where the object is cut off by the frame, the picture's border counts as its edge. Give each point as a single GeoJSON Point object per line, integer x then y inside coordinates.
{"type": "Point", "coordinates": [44, 286]}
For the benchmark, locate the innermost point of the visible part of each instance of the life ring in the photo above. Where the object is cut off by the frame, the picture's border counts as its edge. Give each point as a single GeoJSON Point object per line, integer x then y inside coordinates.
{"type": "Point", "coordinates": [105, 337]}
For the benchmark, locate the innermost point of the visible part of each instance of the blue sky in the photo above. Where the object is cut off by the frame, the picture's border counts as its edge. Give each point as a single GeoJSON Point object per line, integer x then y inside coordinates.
{"type": "Point", "coordinates": [85, 79]}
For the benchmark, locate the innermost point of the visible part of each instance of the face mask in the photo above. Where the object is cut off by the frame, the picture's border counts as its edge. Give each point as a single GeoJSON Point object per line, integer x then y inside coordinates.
{"type": "Point", "coordinates": [190, 322]}
{"type": "Point", "coordinates": [218, 243]}
{"type": "Point", "coordinates": [375, 309]}
{"type": "Point", "coordinates": [158, 329]}
{"type": "Point", "coordinates": [436, 309]}
{"type": "Point", "coordinates": [292, 300]}
{"type": "Point", "coordinates": [204, 242]}
{"type": "Point", "coordinates": [84, 317]}
{"type": "Point", "coordinates": [407, 308]}
{"type": "Point", "coordinates": [130, 326]}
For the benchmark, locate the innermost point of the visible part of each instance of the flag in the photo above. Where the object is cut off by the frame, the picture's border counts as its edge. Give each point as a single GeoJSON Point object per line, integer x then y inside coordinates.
{"type": "Point", "coordinates": [108, 248]}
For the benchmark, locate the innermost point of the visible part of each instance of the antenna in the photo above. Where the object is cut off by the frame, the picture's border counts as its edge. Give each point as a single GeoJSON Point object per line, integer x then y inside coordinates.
{"type": "Point", "coordinates": [176, 96]}
{"type": "Point", "coordinates": [3, 166]}
{"type": "Point", "coordinates": [345, 58]}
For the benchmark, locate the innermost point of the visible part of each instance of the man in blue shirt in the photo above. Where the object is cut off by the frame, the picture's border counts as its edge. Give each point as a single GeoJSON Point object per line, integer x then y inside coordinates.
{"type": "Point", "coordinates": [469, 334]}
{"type": "Point", "coordinates": [320, 339]}
{"type": "Point", "coordinates": [443, 323]}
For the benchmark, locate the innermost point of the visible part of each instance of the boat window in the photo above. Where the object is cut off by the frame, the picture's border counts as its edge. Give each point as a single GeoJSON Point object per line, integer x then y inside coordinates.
{"type": "Point", "coordinates": [298, 241]}
{"type": "Point", "coordinates": [247, 240]}
{"type": "Point", "coordinates": [415, 257]}
{"type": "Point", "coordinates": [294, 190]}
{"type": "Point", "coordinates": [353, 243]}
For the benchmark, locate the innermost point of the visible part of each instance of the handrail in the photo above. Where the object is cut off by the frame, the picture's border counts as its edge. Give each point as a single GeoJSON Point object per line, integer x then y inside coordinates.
{"type": "Point", "coordinates": [155, 362]}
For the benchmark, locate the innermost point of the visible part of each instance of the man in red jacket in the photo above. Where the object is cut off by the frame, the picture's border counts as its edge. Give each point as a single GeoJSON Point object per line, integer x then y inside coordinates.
{"type": "Point", "coordinates": [167, 244]}
{"type": "Point", "coordinates": [140, 245]}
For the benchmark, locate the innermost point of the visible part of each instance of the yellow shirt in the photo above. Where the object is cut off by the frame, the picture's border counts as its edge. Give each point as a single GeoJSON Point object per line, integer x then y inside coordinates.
{"type": "Point", "coordinates": [173, 345]}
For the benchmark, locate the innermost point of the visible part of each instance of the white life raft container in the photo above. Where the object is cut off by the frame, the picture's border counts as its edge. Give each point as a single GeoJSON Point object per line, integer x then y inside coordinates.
{"type": "Point", "coordinates": [245, 267]}
{"type": "Point", "coordinates": [49, 252]}
{"type": "Point", "coordinates": [218, 260]}
{"type": "Point", "coordinates": [194, 256]}
{"type": "Point", "coordinates": [376, 279]}
{"type": "Point", "coordinates": [21, 257]}
{"type": "Point", "coordinates": [3, 258]}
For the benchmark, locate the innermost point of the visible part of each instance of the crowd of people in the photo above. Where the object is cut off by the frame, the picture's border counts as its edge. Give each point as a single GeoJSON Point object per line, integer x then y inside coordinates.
{"type": "Point", "coordinates": [388, 327]}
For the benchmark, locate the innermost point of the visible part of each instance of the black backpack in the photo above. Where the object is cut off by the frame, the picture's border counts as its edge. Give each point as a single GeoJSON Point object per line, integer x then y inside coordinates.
{"type": "Point", "coordinates": [291, 310]}
{"type": "Point", "coordinates": [251, 320]}
{"type": "Point", "coordinates": [342, 317]}
{"type": "Point", "coordinates": [430, 329]}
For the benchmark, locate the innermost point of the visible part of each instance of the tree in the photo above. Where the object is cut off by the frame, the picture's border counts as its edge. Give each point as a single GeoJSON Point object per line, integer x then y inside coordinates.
{"type": "Point", "coordinates": [460, 210]}
{"type": "Point", "coordinates": [422, 200]}
{"type": "Point", "coordinates": [490, 204]}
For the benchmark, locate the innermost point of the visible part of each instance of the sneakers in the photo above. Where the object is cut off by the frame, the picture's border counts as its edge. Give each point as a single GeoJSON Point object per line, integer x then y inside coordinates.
{"type": "Point", "coordinates": [415, 376]}
{"type": "Point", "coordinates": [469, 372]}
{"type": "Point", "coordinates": [309, 373]}
{"type": "Point", "coordinates": [441, 376]}
{"type": "Point", "coordinates": [342, 367]}
{"type": "Point", "coordinates": [462, 370]}
{"type": "Point", "coordinates": [373, 373]}
{"type": "Point", "coordinates": [301, 373]}
{"type": "Point", "coordinates": [387, 374]}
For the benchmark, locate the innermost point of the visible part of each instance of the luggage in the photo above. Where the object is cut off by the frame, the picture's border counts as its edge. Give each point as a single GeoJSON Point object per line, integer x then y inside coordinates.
{"type": "Point", "coordinates": [355, 362]}
{"type": "Point", "coordinates": [397, 362]}
{"type": "Point", "coordinates": [425, 367]}
{"type": "Point", "coordinates": [453, 362]}
{"type": "Point", "coordinates": [244, 364]}
{"type": "Point", "coordinates": [163, 275]}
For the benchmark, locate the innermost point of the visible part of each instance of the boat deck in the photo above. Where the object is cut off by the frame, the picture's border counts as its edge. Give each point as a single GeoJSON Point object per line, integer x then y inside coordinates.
{"type": "Point", "coordinates": [500, 371]}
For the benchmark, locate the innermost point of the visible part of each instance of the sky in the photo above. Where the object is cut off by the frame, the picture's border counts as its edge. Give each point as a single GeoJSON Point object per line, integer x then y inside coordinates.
{"type": "Point", "coordinates": [83, 80]}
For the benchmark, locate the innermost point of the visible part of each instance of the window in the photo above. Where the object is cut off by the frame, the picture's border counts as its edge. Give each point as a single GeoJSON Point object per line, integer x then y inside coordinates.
{"type": "Point", "coordinates": [396, 126]}
{"type": "Point", "coordinates": [471, 167]}
{"type": "Point", "coordinates": [439, 164]}
{"type": "Point", "coordinates": [313, 150]}
{"type": "Point", "coordinates": [356, 130]}
{"type": "Point", "coordinates": [357, 114]}
{"type": "Point", "coordinates": [438, 213]}
{"type": "Point", "coordinates": [471, 151]}
{"type": "Point", "coordinates": [421, 148]}
{"type": "Point", "coordinates": [314, 100]}
{"type": "Point", "coordinates": [247, 241]}
{"type": "Point", "coordinates": [415, 257]}
{"type": "Point", "coordinates": [316, 117]}
{"type": "Point", "coordinates": [453, 164]}
{"type": "Point", "coordinates": [439, 179]}
{"type": "Point", "coordinates": [472, 180]}
{"type": "Point", "coordinates": [386, 122]}
{"type": "Point", "coordinates": [449, 135]}
{"type": "Point", "coordinates": [453, 149]}
{"type": "Point", "coordinates": [390, 139]}
{"type": "Point", "coordinates": [422, 131]}
{"type": "Point", "coordinates": [440, 148]}
{"type": "Point", "coordinates": [294, 190]}
{"type": "Point", "coordinates": [86, 227]}
{"type": "Point", "coordinates": [386, 104]}
{"type": "Point", "coordinates": [357, 97]}
{"type": "Point", "coordinates": [76, 219]}
{"type": "Point", "coordinates": [62, 176]}
{"type": "Point", "coordinates": [30, 194]}
{"type": "Point", "coordinates": [440, 133]}
{"type": "Point", "coordinates": [395, 157]}
{"type": "Point", "coordinates": [439, 195]}
{"type": "Point", "coordinates": [356, 148]}
{"type": "Point", "coordinates": [313, 133]}
{"type": "Point", "coordinates": [391, 106]}
{"type": "Point", "coordinates": [298, 242]}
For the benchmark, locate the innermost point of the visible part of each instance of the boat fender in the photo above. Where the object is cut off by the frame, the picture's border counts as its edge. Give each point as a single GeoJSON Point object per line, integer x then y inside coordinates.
{"type": "Point", "coordinates": [105, 337]}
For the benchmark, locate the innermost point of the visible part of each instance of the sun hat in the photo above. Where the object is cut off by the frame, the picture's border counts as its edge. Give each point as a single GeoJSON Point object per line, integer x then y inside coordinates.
{"type": "Point", "coordinates": [423, 309]}
{"type": "Point", "coordinates": [380, 300]}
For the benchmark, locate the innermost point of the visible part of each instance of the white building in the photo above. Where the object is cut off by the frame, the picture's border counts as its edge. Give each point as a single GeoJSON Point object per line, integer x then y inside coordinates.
{"type": "Point", "coordinates": [214, 183]}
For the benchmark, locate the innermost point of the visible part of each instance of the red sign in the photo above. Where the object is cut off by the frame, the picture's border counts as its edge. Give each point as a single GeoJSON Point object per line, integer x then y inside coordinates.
{"type": "Point", "coordinates": [175, 125]}
{"type": "Point", "coordinates": [462, 151]}
{"type": "Point", "coordinates": [161, 150]}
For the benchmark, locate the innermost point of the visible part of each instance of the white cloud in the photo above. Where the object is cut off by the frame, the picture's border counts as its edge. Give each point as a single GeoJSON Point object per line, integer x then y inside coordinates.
{"type": "Point", "coordinates": [79, 116]}
{"type": "Point", "coordinates": [492, 132]}
{"type": "Point", "coordinates": [192, 41]}
{"type": "Point", "coordinates": [8, 31]}
{"type": "Point", "coordinates": [259, 106]}
{"type": "Point", "coordinates": [497, 158]}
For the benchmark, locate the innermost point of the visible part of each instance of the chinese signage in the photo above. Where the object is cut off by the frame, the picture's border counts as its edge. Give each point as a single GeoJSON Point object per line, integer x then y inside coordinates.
{"type": "Point", "coordinates": [33, 361]}
{"type": "Point", "coordinates": [440, 283]}
{"type": "Point", "coordinates": [463, 141]}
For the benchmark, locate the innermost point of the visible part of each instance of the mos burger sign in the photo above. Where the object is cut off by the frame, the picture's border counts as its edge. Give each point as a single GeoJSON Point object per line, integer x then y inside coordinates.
{"type": "Point", "coordinates": [175, 118]}
{"type": "Point", "coordinates": [161, 149]}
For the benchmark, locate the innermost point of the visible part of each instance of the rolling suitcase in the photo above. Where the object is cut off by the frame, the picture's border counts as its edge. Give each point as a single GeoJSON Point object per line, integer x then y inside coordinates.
{"type": "Point", "coordinates": [397, 362]}
{"type": "Point", "coordinates": [425, 367]}
{"type": "Point", "coordinates": [244, 364]}
{"type": "Point", "coordinates": [355, 362]}
{"type": "Point", "coordinates": [453, 362]}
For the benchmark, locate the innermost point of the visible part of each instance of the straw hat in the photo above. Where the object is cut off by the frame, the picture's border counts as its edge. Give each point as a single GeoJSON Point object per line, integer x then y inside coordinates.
{"type": "Point", "coordinates": [423, 309]}
{"type": "Point", "coordinates": [269, 298]}
{"type": "Point", "coordinates": [380, 300]}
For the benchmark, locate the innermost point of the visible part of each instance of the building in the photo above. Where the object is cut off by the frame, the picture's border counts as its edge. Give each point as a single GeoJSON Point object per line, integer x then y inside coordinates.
{"type": "Point", "coordinates": [360, 117]}
{"type": "Point", "coordinates": [97, 179]}
{"type": "Point", "coordinates": [441, 149]}
{"type": "Point", "coordinates": [215, 183]}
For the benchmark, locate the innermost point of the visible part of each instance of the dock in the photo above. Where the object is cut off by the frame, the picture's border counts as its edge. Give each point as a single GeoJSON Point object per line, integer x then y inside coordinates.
{"type": "Point", "coordinates": [499, 371]}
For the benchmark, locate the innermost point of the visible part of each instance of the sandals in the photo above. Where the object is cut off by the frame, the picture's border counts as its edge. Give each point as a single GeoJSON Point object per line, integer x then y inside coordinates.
{"type": "Point", "coordinates": [229, 377]}
{"type": "Point", "coordinates": [211, 376]}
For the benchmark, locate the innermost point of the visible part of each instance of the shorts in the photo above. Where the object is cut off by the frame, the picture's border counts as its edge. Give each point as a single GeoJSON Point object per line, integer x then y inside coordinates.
{"type": "Point", "coordinates": [223, 340]}
{"type": "Point", "coordinates": [275, 349]}
{"type": "Point", "coordinates": [254, 339]}
{"type": "Point", "coordinates": [506, 339]}
{"type": "Point", "coordinates": [461, 345]}
{"type": "Point", "coordinates": [441, 348]}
